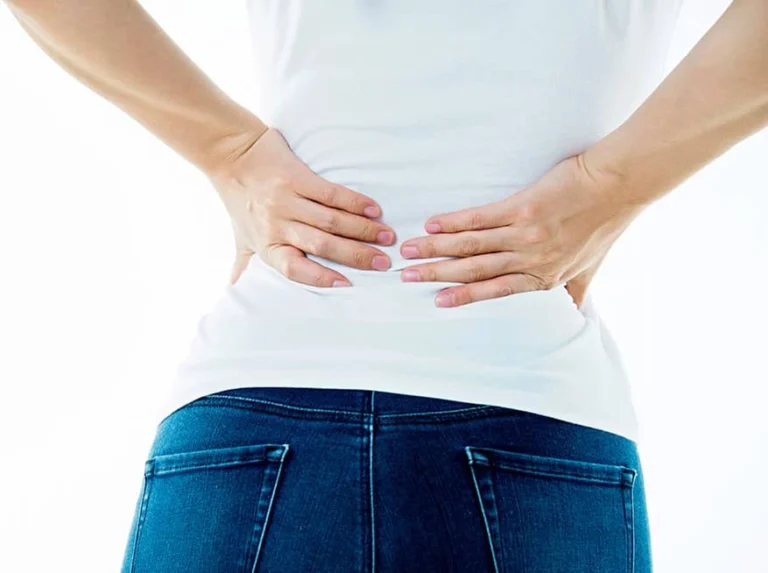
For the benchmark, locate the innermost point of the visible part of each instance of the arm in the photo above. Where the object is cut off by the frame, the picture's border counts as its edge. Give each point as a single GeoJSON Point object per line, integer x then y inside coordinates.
{"type": "Point", "coordinates": [116, 49]}
{"type": "Point", "coordinates": [279, 208]}
{"type": "Point", "coordinates": [716, 97]}
{"type": "Point", "coordinates": [559, 230]}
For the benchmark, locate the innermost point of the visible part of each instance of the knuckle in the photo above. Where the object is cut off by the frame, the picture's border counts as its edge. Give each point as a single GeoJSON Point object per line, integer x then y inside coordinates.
{"type": "Point", "coordinates": [505, 289]}
{"type": "Point", "coordinates": [428, 273]}
{"type": "Point", "coordinates": [428, 248]}
{"type": "Point", "coordinates": [282, 181]}
{"type": "Point", "coordinates": [267, 204]}
{"type": "Point", "coordinates": [362, 258]}
{"type": "Point", "coordinates": [468, 246]}
{"type": "Point", "coordinates": [273, 207]}
{"type": "Point", "coordinates": [529, 211]}
{"type": "Point", "coordinates": [545, 233]}
{"type": "Point", "coordinates": [354, 202]}
{"type": "Point", "coordinates": [535, 234]}
{"type": "Point", "coordinates": [476, 273]}
{"type": "Point", "coordinates": [476, 221]}
{"type": "Point", "coordinates": [319, 246]}
{"type": "Point", "coordinates": [369, 231]}
{"type": "Point", "coordinates": [328, 195]}
{"type": "Point", "coordinates": [331, 222]}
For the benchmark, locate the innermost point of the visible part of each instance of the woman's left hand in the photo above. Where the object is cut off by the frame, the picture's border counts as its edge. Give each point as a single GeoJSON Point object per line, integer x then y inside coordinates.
{"type": "Point", "coordinates": [556, 231]}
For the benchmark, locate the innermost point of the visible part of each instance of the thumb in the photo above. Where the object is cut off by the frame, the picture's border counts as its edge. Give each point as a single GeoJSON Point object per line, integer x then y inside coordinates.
{"type": "Point", "coordinates": [242, 258]}
{"type": "Point", "coordinates": [577, 286]}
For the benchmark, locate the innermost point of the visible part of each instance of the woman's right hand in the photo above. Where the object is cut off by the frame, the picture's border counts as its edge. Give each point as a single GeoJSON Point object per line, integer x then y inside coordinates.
{"type": "Point", "coordinates": [281, 210]}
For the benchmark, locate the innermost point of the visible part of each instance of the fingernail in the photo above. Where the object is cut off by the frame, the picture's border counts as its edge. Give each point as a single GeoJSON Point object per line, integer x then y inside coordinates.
{"type": "Point", "coordinates": [380, 263]}
{"type": "Point", "coordinates": [410, 251]}
{"type": "Point", "coordinates": [432, 228]}
{"type": "Point", "coordinates": [338, 283]}
{"type": "Point", "coordinates": [410, 276]}
{"type": "Point", "coordinates": [444, 299]}
{"type": "Point", "coordinates": [371, 211]}
{"type": "Point", "coordinates": [385, 237]}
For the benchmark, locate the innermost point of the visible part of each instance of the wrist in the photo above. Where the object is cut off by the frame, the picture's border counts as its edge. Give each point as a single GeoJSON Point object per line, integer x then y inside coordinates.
{"type": "Point", "coordinates": [226, 151]}
{"type": "Point", "coordinates": [609, 182]}
{"type": "Point", "coordinates": [620, 172]}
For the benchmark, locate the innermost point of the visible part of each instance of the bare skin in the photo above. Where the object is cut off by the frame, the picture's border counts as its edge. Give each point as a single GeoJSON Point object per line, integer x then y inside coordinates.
{"type": "Point", "coordinates": [279, 208]}
{"type": "Point", "coordinates": [557, 231]}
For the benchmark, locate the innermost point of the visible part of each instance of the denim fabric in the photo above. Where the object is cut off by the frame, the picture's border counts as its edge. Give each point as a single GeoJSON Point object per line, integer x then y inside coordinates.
{"type": "Point", "coordinates": [300, 480]}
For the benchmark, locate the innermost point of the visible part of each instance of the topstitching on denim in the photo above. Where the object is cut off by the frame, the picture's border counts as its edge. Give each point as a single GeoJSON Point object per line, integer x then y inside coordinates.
{"type": "Point", "coordinates": [370, 424]}
{"type": "Point", "coordinates": [345, 415]}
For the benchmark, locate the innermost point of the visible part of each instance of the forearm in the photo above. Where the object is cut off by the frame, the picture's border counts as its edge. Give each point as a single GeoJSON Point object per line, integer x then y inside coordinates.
{"type": "Point", "coordinates": [117, 49]}
{"type": "Point", "coordinates": [716, 97]}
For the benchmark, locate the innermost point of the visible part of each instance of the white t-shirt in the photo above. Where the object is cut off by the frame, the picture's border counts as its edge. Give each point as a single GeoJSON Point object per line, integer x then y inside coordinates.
{"type": "Point", "coordinates": [431, 106]}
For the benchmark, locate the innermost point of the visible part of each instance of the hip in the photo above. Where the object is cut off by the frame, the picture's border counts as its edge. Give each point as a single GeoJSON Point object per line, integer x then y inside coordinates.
{"type": "Point", "coordinates": [299, 479]}
{"type": "Point", "coordinates": [382, 296]}
{"type": "Point", "coordinates": [267, 311]}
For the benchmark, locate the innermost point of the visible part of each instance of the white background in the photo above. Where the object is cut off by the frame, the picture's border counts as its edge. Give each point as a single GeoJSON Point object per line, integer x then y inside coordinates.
{"type": "Point", "coordinates": [112, 247]}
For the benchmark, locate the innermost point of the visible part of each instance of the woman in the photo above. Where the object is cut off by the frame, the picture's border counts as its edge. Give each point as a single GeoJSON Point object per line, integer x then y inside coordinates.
{"type": "Point", "coordinates": [407, 372]}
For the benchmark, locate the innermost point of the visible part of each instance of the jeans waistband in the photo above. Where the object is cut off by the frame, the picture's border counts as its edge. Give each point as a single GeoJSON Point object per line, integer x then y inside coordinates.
{"type": "Point", "coordinates": [353, 403]}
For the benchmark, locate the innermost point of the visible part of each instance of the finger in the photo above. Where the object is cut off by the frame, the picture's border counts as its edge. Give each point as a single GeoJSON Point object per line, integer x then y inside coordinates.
{"type": "Point", "coordinates": [578, 285]}
{"type": "Point", "coordinates": [577, 288]}
{"type": "Point", "coordinates": [475, 218]}
{"type": "Point", "coordinates": [462, 244]}
{"type": "Point", "coordinates": [338, 249]}
{"type": "Point", "coordinates": [484, 290]}
{"type": "Point", "coordinates": [242, 258]}
{"type": "Point", "coordinates": [343, 224]}
{"type": "Point", "coordinates": [340, 197]}
{"type": "Point", "coordinates": [295, 265]}
{"type": "Point", "coordinates": [471, 269]}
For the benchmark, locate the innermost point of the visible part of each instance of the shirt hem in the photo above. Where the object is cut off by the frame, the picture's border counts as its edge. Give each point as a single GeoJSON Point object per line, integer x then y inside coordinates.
{"type": "Point", "coordinates": [624, 425]}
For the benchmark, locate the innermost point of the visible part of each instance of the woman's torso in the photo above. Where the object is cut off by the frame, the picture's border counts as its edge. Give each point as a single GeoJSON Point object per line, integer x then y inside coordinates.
{"type": "Point", "coordinates": [430, 107]}
{"type": "Point", "coordinates": [437, 105]}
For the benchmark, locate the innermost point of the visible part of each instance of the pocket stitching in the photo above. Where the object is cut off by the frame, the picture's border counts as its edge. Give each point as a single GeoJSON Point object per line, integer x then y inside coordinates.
{"type": "Point", "coordinates": [145, 490]}
{"type": "Point", "coordinates": [216, 457]}
{"type": "Point", "coordinates": [564, 475]}
{"type": "Point", "coordinates": [179, 469]}
{"type": "Point", "coordinates": [629, 520]}
{"type": "Point", "coordinates": [590, 472]}
{"type": "Point", "coordinates": [483, 513]}
{"type": "Point", "coordinates": [262, 523]}
{"type": "Point", "coordinates": [625, 479]}
{"type": "Point", "coordinates": [268, 454]}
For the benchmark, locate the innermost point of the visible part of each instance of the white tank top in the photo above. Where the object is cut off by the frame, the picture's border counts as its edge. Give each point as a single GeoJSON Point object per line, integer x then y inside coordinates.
{"type": "Point", "coordinates": [430, 106]}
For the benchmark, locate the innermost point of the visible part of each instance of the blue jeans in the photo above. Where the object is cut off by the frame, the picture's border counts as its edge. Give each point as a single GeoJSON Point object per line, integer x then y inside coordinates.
{"type": "Point", "coordinates": [300, 480]}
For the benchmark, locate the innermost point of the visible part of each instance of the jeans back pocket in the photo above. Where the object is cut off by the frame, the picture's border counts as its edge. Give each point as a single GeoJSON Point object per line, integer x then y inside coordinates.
{"type": "Point", "coordinates": [551, 515]}
{"type": "Point", "coordinates": [205, 511]}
